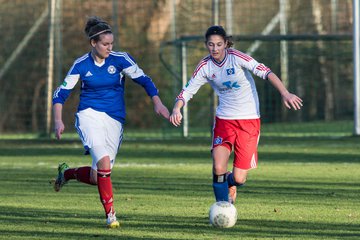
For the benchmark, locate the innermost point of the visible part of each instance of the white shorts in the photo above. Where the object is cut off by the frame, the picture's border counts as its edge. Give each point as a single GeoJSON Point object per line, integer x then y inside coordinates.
{"type": "Point", "coordinates": [100, 134]}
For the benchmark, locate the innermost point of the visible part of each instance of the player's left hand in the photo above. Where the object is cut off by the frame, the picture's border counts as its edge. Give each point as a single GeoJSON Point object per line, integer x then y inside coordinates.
{"type": "Point", "coordinates": [292, 101]}
{"type": "Point", "coordinates": [160, 109]}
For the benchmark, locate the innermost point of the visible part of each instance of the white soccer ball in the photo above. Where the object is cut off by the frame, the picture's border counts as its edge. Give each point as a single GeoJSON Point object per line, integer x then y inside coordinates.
{"type": "Point", "coordinates": [223, 214]}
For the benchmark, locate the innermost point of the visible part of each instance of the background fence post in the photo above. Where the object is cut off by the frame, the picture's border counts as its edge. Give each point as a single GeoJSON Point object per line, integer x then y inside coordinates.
{"type": "Point", "coordinates": [356, 39]}
{"type": "Point", "coordinates": [50, 67]}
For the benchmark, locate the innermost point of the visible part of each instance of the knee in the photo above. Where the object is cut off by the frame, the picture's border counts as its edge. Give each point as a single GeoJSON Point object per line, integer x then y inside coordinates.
{"type": "Point", "coordinates": [219, 169]}
{"type": "Point", "coordinates": [240, 179]}
{"type": "Point", "coordinates": [93, 179]}
{"type": "Point", "coordinates": [104, 163]}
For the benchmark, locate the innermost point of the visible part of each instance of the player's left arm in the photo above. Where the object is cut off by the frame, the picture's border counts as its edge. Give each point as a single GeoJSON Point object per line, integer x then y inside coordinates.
{"type": "Point", "coordinates": [138, 76]}
{"type": "Point", "coordinates": [159, 107]}
{"type": "Point", "coordinates": [259, 69]}
{"type": "Point", "coordinates": [290, 100]}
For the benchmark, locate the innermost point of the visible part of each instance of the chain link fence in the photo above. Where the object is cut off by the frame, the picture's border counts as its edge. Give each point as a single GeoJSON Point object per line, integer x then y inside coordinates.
{"type": "Point", "coordinates": [307, 43]}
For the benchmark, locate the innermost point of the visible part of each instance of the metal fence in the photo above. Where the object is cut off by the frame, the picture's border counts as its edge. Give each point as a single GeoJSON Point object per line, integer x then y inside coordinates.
{"type": "Point", "coordinates": [308, 43]}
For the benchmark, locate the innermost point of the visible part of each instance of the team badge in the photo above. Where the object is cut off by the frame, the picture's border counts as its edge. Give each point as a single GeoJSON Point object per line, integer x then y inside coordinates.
{"type": "Point", "coordinates": [111, 69]}
{"type": "Point", "coordinates": [218, 140]}
{"type": "Point", "coordinates": [230, 71]}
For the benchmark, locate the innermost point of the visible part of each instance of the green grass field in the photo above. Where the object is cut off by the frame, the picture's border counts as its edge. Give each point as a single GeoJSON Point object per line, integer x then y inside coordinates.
{"type": "Point", "coordinates": [306, 187]}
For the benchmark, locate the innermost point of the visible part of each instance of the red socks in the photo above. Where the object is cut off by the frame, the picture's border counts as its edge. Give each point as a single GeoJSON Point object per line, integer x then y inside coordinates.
{"type": "Point", "coordinates": [82, 174]}
{"type": "Point", "coordinates": [105, 189]}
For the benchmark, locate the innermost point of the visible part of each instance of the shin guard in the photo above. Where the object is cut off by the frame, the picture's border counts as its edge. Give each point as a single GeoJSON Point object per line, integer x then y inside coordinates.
{"type": "Point", "coordinates": [220, 187]}
{"type": "Point", "coordinates": [105, 189]}
{"type": "Point", "coordinates": [231, 181]}
{"type": "Point", "coordinates": [82, 174]}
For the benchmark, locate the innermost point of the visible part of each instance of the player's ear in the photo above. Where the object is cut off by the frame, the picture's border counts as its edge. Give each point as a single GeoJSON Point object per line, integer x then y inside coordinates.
{"type": "Point", "coordinates": [92, 42]}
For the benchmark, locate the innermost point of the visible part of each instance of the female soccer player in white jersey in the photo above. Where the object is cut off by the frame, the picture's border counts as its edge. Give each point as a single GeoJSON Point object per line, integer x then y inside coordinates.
{"type": "Point", "coordinates": [237, 121]}
{"type": "Point", "coordinates": [101, 111]}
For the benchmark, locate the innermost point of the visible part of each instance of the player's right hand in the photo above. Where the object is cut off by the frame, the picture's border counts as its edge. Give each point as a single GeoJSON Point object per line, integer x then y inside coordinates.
{"type": "Point", "coordinates": [176, 117]}
{"type": "Point", "coordinates": [59, 129]}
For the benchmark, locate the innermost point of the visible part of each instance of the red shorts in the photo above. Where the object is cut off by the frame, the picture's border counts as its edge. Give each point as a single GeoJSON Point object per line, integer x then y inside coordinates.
{"type": "Point", "coordinates": [243, 135]}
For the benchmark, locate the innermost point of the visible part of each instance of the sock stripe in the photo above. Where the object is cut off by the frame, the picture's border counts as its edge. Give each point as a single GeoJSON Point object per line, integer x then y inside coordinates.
{"type": "Point", "coordinates": [104, 173]}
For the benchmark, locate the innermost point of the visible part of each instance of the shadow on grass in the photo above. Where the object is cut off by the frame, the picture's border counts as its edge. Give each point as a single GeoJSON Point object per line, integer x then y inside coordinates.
{"type": "Point", "coordinates": [191, 151]}
{"type": "Point", "coordinates": [168, 184]}
{"type": "Point", "coordinates": [57, 223]}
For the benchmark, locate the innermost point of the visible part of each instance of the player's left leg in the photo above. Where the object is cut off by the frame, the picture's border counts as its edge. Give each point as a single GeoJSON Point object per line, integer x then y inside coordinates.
{"type": "Point", "coordinates": [106, 191]}
{"type": "Point", "coordinates": [233, 182]}
{"type": "Point", "coordinates": [245, 153]}
{"type": "Point", "coordinates": [103, 165]}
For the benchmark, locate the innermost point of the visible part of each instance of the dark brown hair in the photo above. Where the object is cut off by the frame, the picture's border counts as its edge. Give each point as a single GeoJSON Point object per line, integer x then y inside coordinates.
{"type": "Point", "coordinates": [219, 30]}
{"type": "Point", "coordinates": [95, 26]}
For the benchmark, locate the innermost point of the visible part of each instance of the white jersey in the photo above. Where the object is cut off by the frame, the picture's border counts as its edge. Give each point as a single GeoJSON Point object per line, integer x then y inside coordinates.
{"type": "Point", "coordinates": [232, 82]}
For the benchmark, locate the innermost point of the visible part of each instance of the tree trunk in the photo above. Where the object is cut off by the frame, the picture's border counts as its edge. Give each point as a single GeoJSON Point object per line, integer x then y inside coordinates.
{"type": "Point", "coordinates": [34, 105]}
{"type": "Point", "coordinates": [325, 72]}
{"type": "Point", "coordinates": [160, 21]}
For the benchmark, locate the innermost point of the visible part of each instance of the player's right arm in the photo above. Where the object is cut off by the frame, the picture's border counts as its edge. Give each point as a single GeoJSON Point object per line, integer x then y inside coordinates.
{"type": "Point", "coordinates": [58, 123]}
{"type": "Point", "coordinates": [176, 116]}
{"type": "Point", "coordinates": [197, 80]}
{"type": "Point", "coordinates": [60, 96]}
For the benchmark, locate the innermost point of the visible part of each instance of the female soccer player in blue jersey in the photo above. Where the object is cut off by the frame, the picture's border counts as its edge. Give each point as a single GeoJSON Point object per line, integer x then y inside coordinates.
{"type": "Point", "coordinates": [237, 121]}
{"type": "Point", "coordinates": [101, 111]}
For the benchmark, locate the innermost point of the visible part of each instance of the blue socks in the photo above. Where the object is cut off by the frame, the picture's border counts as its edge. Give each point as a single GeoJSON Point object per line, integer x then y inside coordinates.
{"type": "Point", "coordinates": [231, 180]}
{"type": "Point", "coordinates": [221, 188]}
{"type": "Point", "coordinates": [221, 185]}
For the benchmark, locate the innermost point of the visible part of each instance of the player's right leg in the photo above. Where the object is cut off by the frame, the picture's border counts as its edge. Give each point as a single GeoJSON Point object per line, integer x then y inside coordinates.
{"type": "Point", "coordinates": [223, 140]}
{"type": "Point", "coordinates": [60, 180]}
{"type": "Point", "coordinates": [82, 174]}
{"type": "Point", "coordinates": [220, 160]}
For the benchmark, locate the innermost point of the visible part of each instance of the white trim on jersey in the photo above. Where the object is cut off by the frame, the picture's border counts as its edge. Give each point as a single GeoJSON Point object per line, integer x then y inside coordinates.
{"type": "Point", "coordinates": [71, 81]}
{"type": "Point", "coordinates": [123, 54]}
{"type": "Point", "coordinates": [134, 71]}
{"type": "Point", "coordinates": [56, 92]}
{"type": "Point", "coordinates": [80, 59]}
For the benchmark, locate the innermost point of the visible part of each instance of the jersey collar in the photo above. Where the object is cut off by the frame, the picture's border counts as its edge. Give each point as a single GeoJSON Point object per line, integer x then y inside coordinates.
{"type": "Point", "coordinates": [220, 64]}
{"type": "Point", "coordinates": [95, 62]}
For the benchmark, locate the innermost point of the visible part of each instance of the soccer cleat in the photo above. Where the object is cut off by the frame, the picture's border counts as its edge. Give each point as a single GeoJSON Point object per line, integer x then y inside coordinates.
{"type": "Point", "coordinates": [60, 180]}
{"type": "Point", "coordinates": [232, 191]}
{"type": "Point", "coordinates": [232, 194]}
{"type": "Point", "coordinates": [111, 221]}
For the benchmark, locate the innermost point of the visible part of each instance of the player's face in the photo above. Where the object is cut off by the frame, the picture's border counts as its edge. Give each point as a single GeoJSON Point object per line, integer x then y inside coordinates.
{"type": "Point", "coordinates": [216, 46]}
{"type": "Point", "coordinates": [103, 47]}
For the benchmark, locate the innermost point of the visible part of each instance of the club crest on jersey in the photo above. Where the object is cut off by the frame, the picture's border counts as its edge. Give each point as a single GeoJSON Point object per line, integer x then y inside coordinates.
{"type": "Point", "coordinates": [230, 71]}
{"type": "Point", "coordinates": [218, 140]}
{"type": "Point", "coordinates": [111, 69]}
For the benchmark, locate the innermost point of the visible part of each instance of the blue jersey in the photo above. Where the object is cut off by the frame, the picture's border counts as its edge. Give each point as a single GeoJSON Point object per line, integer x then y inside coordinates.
{"type": "Point", "coordinates": [102, 85]}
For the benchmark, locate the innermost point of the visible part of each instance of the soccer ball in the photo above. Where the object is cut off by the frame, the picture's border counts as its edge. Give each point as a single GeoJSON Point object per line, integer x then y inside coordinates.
{"type": "Point", "coordinates": [222, 214]}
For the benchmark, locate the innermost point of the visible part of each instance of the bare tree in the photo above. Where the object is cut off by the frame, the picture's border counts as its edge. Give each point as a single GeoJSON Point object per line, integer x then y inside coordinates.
{"type": "Point", "coordinates": [161, 20]}
{"type": "Point", "coordinates": [317, 13]}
